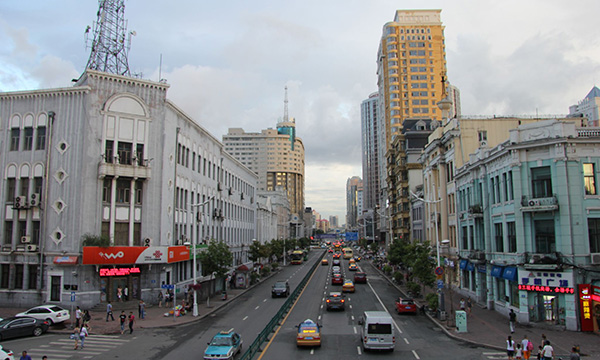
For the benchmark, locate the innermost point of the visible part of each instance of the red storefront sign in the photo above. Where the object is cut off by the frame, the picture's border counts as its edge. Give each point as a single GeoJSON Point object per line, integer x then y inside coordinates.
{"type": "Point", "coordinates": [94, 255]}
{"type": "Point", "coordinates": [541, 288]}
{"type": "Point", "coordinates": [119, 271]}
{"type": "Point", "coordinates": [585, 307]}
{"type": "Point", "coordinates": [178, 253]}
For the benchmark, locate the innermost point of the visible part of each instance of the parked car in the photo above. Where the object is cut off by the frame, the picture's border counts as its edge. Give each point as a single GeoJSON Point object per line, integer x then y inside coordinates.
{"type": "Point", "coordinates": [22, 326]}
{"type": "Point", "coordinates": [406, 306]}
{"type": "Point", "coordinates": [6, 354]}
{"type": "Point", "coordinates": [360, 277]}
{"type": "Point", "coordinates": [54, 314]}
{"type": "Point", "coordinates": [309, 333]}
{"type": "Point", "coordinates": [224, 345]}
{"type": "Point", "coordinates": [280, 288]}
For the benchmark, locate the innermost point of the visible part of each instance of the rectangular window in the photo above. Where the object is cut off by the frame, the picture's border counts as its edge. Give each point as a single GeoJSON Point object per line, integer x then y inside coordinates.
{"type": "Point", "coordinates": [123, 191]}
{"type": "Point", "coordinates": [139, 187]}
{"type": "Point", "coordinates": [35, 232]}
{"type": "Point", "coordinates": [505, 186]}
{"type": "Point", "coordinates": [499, 237]}
{"type": "Point", "coordinates": [509, 181]}
{"type": "Point", "coordinates": [4, 275]}
{"type": "Point", "coordinates": [492, 193]}
{"type": "Point", "coordinates": [38, 183]}
{"type": "Point", "coordinates": [497, 189]}
{"type": "Point", "coordinates": [24, 187]}
{"type": "Point", "coordinates": [40, 143]}
{"type": "Point", "coordinates": [15, 136]}
{"type": "Point", "coordinates": [545, 241]}
{"type": "Point", "coordinates": [465, 239]}
{"type": "Point", "coordinates": [501, 285]}
{"type": "Point", "coordinates": [512, 236]}
{"type": "Point", "coordinates": [22, 230]}
{"type": "Point", "coordinates": [589, 179]}
{"type": "Point", "coordinates": [8, 232]}
{"type": "Point", "coordinates": [124, 150]}
{"type": "Point", "coordinates": [139, 154]}
{"type": "Point", "coordinates": [28, 139]}
{"type": "Point", "coordinates": [33, 277]}
{"type": "Point", "coordinates": [106, 189]}
{"type": "Point", "coordinates": [11, 184]}
{"type": "Point", "coordinates": [109, 151]}
{"type": "Point", "coordinates": [482, 135]}
{"type": "Point", "coordinates": [541, 182]}
{"type": "Point", "coordinates": [593, 234]}
{"type": "Point", "coordinates": [18, 276]}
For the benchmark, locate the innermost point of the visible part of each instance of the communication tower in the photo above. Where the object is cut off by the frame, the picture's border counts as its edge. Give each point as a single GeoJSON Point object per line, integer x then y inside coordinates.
{"type": "Point", "coordinates": [111, 42]}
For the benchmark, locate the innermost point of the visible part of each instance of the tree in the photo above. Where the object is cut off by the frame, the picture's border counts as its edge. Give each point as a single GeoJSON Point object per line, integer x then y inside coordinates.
{"type": "Point", "coordinates": [95, 240]}
{"type": "Point", "coordinates": [304, 242]}
{"type": "Point", "coordinates": [216, 259]}
{"type": "Point", "coordinates": [255, 251]}
{"type": "Point", "coordinates": [276, 249]}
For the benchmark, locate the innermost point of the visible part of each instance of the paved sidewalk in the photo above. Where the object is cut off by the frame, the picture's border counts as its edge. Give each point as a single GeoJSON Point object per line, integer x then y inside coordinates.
{"type": "Point", "coordinates": [490, 329]}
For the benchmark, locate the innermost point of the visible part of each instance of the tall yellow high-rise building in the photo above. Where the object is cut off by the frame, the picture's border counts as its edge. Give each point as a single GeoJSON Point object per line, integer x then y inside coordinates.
{"type": "Point", "coordinates": [411, 69]}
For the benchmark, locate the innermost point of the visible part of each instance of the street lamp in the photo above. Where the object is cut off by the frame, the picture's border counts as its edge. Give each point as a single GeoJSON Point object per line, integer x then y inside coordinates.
{"type": "Point", "coordinates": [194, 261]}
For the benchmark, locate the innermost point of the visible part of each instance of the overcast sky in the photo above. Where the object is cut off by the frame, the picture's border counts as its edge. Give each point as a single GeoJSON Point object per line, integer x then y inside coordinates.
{"type": "Point", "coordinates": [228, 62]}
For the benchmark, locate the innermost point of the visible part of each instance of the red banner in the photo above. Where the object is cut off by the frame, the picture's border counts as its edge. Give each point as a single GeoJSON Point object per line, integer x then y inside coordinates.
{"type": "Point", "coordinates": [115, 255]}
{"type": "Point", "coordinates": [585, 307]}
{"type": "Point", "coordinates": [178, 253]}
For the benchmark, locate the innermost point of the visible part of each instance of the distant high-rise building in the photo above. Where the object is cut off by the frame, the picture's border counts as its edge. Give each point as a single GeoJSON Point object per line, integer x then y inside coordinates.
{"type": "Point", "coordinates": [353, 193]}
{"type": "Point", "coordinates": [371, 142]}
{"type": "Point", "coordinates": [334, 221]}
{"type": "Point", "coordinates": [588, 107]}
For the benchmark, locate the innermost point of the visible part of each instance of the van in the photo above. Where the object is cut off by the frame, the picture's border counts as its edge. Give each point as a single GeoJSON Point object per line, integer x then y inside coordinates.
{"type": "Point", "coordinates": [377, 331]}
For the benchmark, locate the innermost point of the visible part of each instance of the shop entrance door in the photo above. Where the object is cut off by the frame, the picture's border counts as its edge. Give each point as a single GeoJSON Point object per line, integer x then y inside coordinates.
{"type": "Point", "coordinates": [115, 282]}
{"type": "Point", "coordinates": [550, 308]}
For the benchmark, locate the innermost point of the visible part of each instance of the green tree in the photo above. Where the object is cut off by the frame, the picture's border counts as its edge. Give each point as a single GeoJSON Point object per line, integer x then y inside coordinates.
{"type": "Point", "coordinates": [276, 249]}
{"type": "Point", "coordinates": [255, 251]}
{"type": "Point", "coordinates": [216, 259]}
{"type": "Point", "coordinates": [304, 242]}
{"type": "Point", "coordinates": [95, 240]}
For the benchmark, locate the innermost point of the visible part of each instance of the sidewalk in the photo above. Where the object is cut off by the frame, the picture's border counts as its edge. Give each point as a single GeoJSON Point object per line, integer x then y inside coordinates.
{"type": "Point", "coordinates": [490, 329]}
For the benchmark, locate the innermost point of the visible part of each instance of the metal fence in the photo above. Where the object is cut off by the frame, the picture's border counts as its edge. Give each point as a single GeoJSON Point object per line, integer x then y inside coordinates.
{"type": "Point", "coordinates": [276, 320]}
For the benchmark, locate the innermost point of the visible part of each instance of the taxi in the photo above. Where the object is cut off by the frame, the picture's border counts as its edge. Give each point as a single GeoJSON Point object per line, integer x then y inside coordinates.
{"type": "Point", "coordinates": [351, 261]}
{"type": "Point", "coordinates": [309, 333]}
{"type": "Point", "coordinates": [353, 267]}
{"type": "Point", "coordinates": [324, 262]}
{"type": "Point", "coordinates": [224, 345]}
{"type": "Point", "coordinates": [348, 286]}
{"type": "Point", "coordinates": [337, 255]}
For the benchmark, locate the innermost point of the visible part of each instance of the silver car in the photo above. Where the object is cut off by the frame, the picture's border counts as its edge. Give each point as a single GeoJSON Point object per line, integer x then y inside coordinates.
{"type": "Point", "coordinates": [52, 313]}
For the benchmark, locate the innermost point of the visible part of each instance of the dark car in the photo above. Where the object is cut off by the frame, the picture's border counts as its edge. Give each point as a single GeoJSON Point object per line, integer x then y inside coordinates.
{"type": "Point", "coordinates": [22, 326]}
{"type": "Point", "coordinates": [335, 301]}
{"type": "Point", "coordinates": [280, 288]}
{"type": "Point", "coordinates": [360, 278]}
{"type": "Point", "coordinates": [337, 279]}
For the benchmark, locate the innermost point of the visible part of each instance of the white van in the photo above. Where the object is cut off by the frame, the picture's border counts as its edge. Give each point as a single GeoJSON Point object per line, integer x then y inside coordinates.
{"type": "Point", "coordinates": [377, 331]}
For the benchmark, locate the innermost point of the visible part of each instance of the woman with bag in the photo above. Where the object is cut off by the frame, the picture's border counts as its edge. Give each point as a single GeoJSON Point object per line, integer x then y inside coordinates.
{"type": "Point", "coordinates": [527, 347]}
{"type": "Point", "coordinates": [82, 335]}
{"type": "Point", "coordinates": [75, 336]}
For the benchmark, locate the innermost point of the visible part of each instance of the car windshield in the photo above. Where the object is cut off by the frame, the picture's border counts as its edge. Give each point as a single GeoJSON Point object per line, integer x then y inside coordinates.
{"type": "Point", "coordinates": [4, 322]}
{"type": "Point", "coordinates": [221, 341]}
{"type": "Point", "coordinates": [279, 285]}
{"type": "Point", "coordinates": [56, 308]}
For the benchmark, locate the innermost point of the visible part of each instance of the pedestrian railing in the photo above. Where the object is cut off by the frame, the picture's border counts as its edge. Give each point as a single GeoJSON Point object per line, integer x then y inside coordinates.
{"type": "Point", "coordinates": [276, 320]}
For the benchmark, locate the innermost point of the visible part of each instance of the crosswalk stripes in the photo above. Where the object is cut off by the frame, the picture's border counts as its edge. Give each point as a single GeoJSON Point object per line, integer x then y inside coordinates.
{"type": "Point", "coordinates": [63, 348]}
{"type": "Point", "coordinates": [497, 355]}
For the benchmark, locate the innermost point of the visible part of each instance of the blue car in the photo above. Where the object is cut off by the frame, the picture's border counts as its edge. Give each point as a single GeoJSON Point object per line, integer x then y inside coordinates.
{"type": "Point", "coordinates": [224, 345]}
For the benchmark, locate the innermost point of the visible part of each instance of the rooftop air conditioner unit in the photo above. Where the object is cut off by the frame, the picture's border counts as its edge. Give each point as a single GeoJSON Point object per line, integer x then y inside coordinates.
{"type": "Point", "coordinates": [25, 239]}
{"type": "Point", "coordinates": [32, 247]}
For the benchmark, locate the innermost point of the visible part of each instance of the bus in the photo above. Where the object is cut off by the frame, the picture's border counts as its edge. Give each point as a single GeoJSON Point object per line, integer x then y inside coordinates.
{"type": "Point", "coordinates": [297, 257]}
{"type": "Point", "coordinates": [348, 253]}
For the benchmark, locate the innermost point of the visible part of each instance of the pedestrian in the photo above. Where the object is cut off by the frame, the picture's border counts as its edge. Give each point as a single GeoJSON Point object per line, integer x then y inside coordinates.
{"type": "Point", "coordinates": [510, 348]}
{"type": "Point", "coordinates": [519, 352]}
{"type": "Point", "coordinates": [512, 317]}
{"type": "Point", "coordinates": [122, 319]}
{"type": "Point", "coordinates": [24, 356]}
{"type": "Point", "coordinates": [119, 293]}
{"type": "Point", "coordinates": [75, 336]}
{"type": "Point", "coordinates": [539, 354]}
{"type": "Point", "coordinates": [462, 304]}
{"type": "Point", "coordinates": [86, 319]}
{"type": "Point", "coordinates": [82, 335]}
{"type": "Point", "coordinates": [547, 351]}
{"type": "Point", "coordinates": [469, 305]}
{"type": "Point", "coordinates": [131, 321]}
{"type": "Point", "coordinates": [141, 309]}
{"type": "Point", "coordinates": [109, 312]}
{"type": "Point", "coordinates": [78, 314]}
{"type": "Point", "coordinates": [126, 293]}
{"type": "Point", "coordinates": [574, 354]}
{"type": "Point", "coordinates": [160, 298]}
{"type": "Point", "coordinates": [527, 347]}
{"type": "Point", "coordinates": [44, 357]}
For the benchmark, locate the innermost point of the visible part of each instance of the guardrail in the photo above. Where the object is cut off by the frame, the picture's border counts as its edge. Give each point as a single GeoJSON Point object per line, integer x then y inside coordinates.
{"type": "Point", "coordinates": [275, 321]}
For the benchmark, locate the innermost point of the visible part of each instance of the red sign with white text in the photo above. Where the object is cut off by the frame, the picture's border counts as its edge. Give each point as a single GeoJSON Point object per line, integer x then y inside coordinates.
{"type": "Point", "coordinates": [94, 255]}
{"type": "Point", "coordinates": [178, 253]}
{"type": "Point", "coordinates": [119, 271]}
{"type": "Point", "coordinates": [585, 303]}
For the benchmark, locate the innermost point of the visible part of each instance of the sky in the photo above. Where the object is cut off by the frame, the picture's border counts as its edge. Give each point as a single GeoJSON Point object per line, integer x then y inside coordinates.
{"type": "Point", "coordinates": [228, 62]}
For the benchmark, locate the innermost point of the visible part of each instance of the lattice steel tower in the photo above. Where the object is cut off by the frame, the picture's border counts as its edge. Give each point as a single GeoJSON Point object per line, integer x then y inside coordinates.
{"type": "Point", "coordinates": [109, 46]}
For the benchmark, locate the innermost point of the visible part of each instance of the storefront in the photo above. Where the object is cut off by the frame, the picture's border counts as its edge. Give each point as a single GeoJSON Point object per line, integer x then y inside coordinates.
{"type": "Point", "coordinates": [124, 270]}
{"type": "Point", "coordinates": [549, 296]}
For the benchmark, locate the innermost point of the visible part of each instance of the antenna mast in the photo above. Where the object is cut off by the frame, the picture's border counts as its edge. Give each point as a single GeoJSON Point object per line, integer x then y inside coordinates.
{"type": "Point", "coordinates": [285, 107]}
{"type": "Point", "coordinates": [109, 46]}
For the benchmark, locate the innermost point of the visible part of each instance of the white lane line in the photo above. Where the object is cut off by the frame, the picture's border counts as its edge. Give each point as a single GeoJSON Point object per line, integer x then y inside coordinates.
{"type": "Point", "coordinates": [350, 306]}
{"type": "Point", "coordinates": [321, 306]}
{"type": "Point", "coordinates": [256, 308]}
{"type": "Point", "coordinates": [319, 318]}
{"type": "Point", "coordinates": [265, 300]}
{"type": "Point", "coordinates": [354, 327]}
{"type": "Point", "coordinates": [406, 341]}
{"type": "Point", "coordinates": [358, 350]}
{"type": "Point", "coordinates": [312, 351]}
{"type": "Point", "coordinates": [352, 317]}
{"type": "Point", "coordinates": [384, 308]}
{"type": "Point", "coordinates": [415, 354]}
{"type": "Point", "coordinates": [245, 317]}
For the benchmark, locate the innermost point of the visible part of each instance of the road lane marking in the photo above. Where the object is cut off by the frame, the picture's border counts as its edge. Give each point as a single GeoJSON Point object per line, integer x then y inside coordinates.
{"type": "Point", "coordinates": [415, 354]}
{"type": "Point", "coordinates": [350, 306]}
{"type": "Point", "coordinates": [256, 308]}
{"type": "Point", "coordinates": [384, 308]}
{"type": "Point", "coordinates": [245, 318]}
{"type": "Point", "coordinates": [406, 341]}
{"type": "Point", "coordinates": [358, 350]}
{"type": "Point", "coordinates": [352, 317]}
{"type": "Point", "coordinates": [312, 351]}
{"type": "Point", "coordinates": [319, 318]}
{"type": "Point", "coordinates": [265, 300]}
{"type": "Point", "coordinates": [354, 327]}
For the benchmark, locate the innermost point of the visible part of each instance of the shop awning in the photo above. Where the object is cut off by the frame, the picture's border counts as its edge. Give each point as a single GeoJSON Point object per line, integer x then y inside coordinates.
{"type": "Point", "coordinates": [245, 267]}
{"type": "Point", "coordinates": [470, 266]}
{"type": "Point", "coordinates": [497, 271]}
{"type": "Point", "coordinates": [463, 264]}
{"type": "Point", "coordinates": [510, 273]}
{"type": "Point", "coordinates": [65, 260]}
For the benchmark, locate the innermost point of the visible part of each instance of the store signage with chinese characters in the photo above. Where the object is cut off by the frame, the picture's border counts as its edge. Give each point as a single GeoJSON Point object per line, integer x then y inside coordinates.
{"type": "Point", "coordinates": [543, 278]}
{"type": "Point", "coordinates": [585, 303]}
{"type": "Point", "coordinates": [557, 290]}
{"type": "Point", "coordinates": [119, 271]}
{"type": "Point", "coordinates": [94, 255]}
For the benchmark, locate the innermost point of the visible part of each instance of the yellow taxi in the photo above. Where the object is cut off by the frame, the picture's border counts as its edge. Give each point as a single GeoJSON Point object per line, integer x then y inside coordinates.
{"type": "Point", "coordinates": [309, 333]}
{"type": "Point", "coordinates": [351, 261]}
{"type": "Point", "coordinates": [324, 262]}
{"type": "Point", "coordinates": [352, 267]}
{"type": "Point", "coordinates": [348, 286]}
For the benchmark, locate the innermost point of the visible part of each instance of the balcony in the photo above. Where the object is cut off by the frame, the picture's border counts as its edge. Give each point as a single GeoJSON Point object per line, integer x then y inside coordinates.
{"type": "Point", "coordinates": [476, 210]}
{"type": "Point", "coordinates": [531, 204]}
{"type": "Point", "coordinates": [135, 169]}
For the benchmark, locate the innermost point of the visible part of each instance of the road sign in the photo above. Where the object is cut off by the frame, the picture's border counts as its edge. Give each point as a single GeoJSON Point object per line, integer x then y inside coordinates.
{"type": "Point", "coordinates": [72, 296]}
{"type": "Point", "coordinates": [167, 286]}
{"type": "Point", "coordinates": [440, 284]}
{"type": "Point", "coordinates": [439, 270]}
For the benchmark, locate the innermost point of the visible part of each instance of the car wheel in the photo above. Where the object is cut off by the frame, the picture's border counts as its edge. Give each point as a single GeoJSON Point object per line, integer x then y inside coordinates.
{"type": "Point", "coordinates": [38, 331]}
{"type": "Point", "coordinates": [50, 322]}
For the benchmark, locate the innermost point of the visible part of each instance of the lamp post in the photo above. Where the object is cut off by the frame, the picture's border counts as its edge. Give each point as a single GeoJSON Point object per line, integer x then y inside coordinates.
{"type": "Point", "coordinates": [194, 261]}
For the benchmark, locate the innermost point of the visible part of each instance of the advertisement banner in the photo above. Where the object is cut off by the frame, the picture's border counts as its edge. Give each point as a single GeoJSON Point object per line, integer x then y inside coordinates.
{"type": "Point", "coordinates": [585, 307]}
{"type": "Point", "coordinates": [94, 255]}
{"type": "Point", "coordinates": [178, 253]}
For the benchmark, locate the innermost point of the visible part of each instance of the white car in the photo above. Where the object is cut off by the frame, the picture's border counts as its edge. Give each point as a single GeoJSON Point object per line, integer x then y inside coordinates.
{"type": "Point", "coordinates": [52, 313]}
{"type": "Point", "coordinates": [6, 354]}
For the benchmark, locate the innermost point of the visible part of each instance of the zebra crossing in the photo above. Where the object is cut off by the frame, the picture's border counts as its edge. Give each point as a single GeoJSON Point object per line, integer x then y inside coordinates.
{"type": "Point", "coordinates": [63, 348]}
{"type": "Point", "coordinates": [496, 355]}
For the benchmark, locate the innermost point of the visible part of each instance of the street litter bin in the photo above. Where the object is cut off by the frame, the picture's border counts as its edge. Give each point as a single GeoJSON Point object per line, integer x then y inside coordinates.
{"type": "Point", "coordinates": [224, 295]}
{"type": "Point", "coordinates": [442, 315]}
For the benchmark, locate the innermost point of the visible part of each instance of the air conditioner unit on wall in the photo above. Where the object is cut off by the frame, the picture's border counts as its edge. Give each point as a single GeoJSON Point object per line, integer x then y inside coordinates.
{"type": "Point", "coordinates": [595, 259]}
{"type": "Point", "coordinates": [32, 247]}
{"type": "Point", "coordinates": [534, 202]}
{"type": "Point", "coordinates": [34, 200]}
{"type": "Point", "coordinates": [20, 202]}
{"type": "Point", "coordinates": [6, 248]}
{"type": "Point", "coordinates": [25, 239]}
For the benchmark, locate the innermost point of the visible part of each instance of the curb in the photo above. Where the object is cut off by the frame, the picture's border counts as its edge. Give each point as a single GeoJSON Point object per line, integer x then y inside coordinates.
{"type": "Point", "coordinates": [442, 327]}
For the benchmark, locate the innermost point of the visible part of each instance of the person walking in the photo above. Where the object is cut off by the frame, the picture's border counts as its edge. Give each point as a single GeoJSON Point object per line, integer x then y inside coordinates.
{"type": "Point", "coordinates": [119, 293]}
{"type": "Point", "coordinates": [82, 335]}
{"type": "Point", "coordinates": [160, 298]}
{"type": "Point", "coordinates": [510, 348]}
{"type": "Point", "coordinates": [24, 356]}
{"type": "Point", "coordinates": [574, 354]}
{"type": "Point", "coordinates": [462, 304]}
{"type": "Point", "coordinates": [547, 351]}
{"type": "Point", "coordinates": [126, 293]}
{"type": "Point", "coordinates": [131, 321]}
{"type": "Point", "coordinates": [78, 317]}
{"type": "Point", "coordinates": [122, 319]}
{"type": "Point", "coordinates": [519, 352]}
{"type": "Point", "coordinates": [527, 346]}
{"type": "Point", "coordinates": [141, 309]}
{"type": "Point", "coordinates": [469, 306]}
{"type": "Point", "coordinates": [75, 336]}
{"type": "Point", "coordinates": [109, 312]}
{"type": "Point", "coordinates": [86, 319]}
{"type": "Point", "coordinates": [512, 318]}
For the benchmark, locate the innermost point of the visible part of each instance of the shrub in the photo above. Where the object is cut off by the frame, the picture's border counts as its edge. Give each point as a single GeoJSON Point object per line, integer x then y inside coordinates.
{"type": "Point", "coordinates": [265, 270]}
{"type": "Point", "coordinates": [398, 277]}
{"type": "Point", "coordinates": [414, 288]}
{"type": "Point", "coordinates": [387, 269]}
{"type": "Point", "coordinates": [432, 301]}
{"type": "Point", "coordinates": [275, 265]}
{"type": "Point", "coordinates": [254, 278]}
